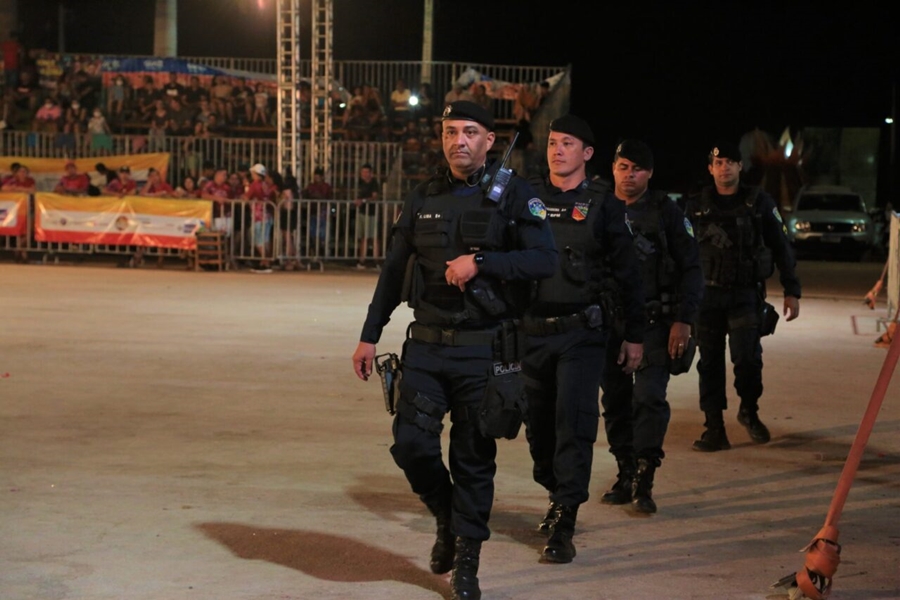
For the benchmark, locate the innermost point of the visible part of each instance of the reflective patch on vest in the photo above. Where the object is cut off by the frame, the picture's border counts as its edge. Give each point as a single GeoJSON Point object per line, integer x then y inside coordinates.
{"type": "Point", "coordinates": [506, 368]}
{"type": "Point", "coordinates": [580, 211]}
{"type": "Point", "coordinates": [537, 208]}
{"type": "Point", "coordinates": [688, 227]}
{"type": "Point", "coordinates": [777, 214]}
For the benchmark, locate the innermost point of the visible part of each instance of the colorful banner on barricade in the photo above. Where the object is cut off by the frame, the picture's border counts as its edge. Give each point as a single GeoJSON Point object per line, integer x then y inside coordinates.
{"type": "Point", "coordinates": [128, 221]}
{"type": "Point", "coordinates": [13, 213]}
{"type": "Point", "coordinates": [47, 172]}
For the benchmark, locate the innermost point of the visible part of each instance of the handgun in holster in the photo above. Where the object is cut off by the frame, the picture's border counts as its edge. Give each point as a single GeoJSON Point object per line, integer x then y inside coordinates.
{"type": "Point", "coordinates": [388, 368]}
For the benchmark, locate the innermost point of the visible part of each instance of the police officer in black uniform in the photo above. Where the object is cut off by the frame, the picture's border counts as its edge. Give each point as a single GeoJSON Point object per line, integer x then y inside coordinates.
{"type": "Point", "coordinates": [567, 329]}
{"type": "Point", "coordinates": [635, 410]}
{"type": "Point", "coordinates": [741, 235]}
{"type": "Point", "coordinates": [458, 249]}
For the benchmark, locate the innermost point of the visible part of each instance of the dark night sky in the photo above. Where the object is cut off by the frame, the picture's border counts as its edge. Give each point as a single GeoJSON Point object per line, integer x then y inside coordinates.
{"type": "Point", "coordinates": [676, 78]}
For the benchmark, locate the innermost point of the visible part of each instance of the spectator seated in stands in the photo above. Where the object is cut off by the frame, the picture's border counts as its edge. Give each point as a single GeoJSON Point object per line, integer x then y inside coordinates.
{"type": "Point", "coordinates": [101, 135]}
{"type": "Point", "coordinates": [194, 94]}
{"type": "Point", "coordinates": [242, 102]}
{"type": "Point", "coordinates": [47, 117]}
{"type": "Point", "coordinates": [27, 92]}
{"type": "Point", "coordinates": [260, 106]}
{"type": "Point", "coordinates": [86, 90]}
{"type": "Point", "coordinates": [374, 110]}
{"type": "Point", "coordinates": [73, 183]}
{"type": "Point", "coordinates": [180, 119]}
{"type": "Point", "coordinates": [74, 118]}
{"type": "Point", "coordinates": [19, 181]}
{"type": "Point", "coordinates": [122, 185]}
{"type": "Point", "coordinates": [220, 95]}
{"type": "Point", "coordinates": [399, 113]}
{"type": "Point", "coordinates": [172, 89]}
{"type": "Point", "coordinates": [116, 95]}
{"type": "Point", "coordinates": [188, 189]}
{"type": "Point", "coordinates": [357, 126]}
{"type": "Point", "coordinates": [159, 126]}
{"type": "Point", "coordinates": [155, 185]}
{"type": "Point", "coordinates": [145, 99]}
{"type": "Point", "coordinates": [204, 110]}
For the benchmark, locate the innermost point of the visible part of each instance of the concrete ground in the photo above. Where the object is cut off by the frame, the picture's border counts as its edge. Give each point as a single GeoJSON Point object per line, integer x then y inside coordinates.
{"type": "Point", "coordinates": [172, 435]}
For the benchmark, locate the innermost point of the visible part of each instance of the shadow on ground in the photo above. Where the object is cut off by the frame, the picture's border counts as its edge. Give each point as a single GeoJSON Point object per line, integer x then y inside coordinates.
{"type": "Point", "coordinates": [320, 555]}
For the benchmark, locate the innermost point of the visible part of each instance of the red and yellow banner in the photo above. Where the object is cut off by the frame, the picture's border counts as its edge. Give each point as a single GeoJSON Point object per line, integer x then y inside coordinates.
{"type": "Point", "coordinates": [13, 213]}
{"type": "Point", "coordinates": [47, 172]}
{"type": "Point", "coordinates": [128, 221]}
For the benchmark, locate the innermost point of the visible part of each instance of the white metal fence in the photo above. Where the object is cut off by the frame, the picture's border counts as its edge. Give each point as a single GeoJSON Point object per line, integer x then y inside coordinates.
{"type": "Point", "coordinates": [291, 233]}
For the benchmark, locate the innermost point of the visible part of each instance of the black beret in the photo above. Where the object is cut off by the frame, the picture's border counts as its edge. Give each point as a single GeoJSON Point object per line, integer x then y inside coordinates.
{"type": "Point", "coordinates": [464, 110]}
{"type": "Point", "coordinates": [637, 152]}
{"type": "Point", "coordinates": [573, 126]}
{"type": "Point", "coordinates": [725, 150]}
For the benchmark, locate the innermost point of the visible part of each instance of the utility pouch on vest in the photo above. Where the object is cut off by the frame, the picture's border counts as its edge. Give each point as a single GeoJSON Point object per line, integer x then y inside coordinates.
{"type": "Point", "coordinates": [768, 319]}
{"type": "Point", "coordinates": [593, 316]}
{"type": "Point", "coordinates": [409, 280]}
{"type": "Point", "coordinates": [765, 263]}
{"type": "Point", "coordinates": [388, 368]}
{"type": "Point", "coordinates": [504, 406]}
{"type": "Point", "coordinates": [482, 292]}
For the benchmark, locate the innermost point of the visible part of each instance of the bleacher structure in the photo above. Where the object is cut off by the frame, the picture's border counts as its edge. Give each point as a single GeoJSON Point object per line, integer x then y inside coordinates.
{"type": "Point", "coordinates": [298, 144]}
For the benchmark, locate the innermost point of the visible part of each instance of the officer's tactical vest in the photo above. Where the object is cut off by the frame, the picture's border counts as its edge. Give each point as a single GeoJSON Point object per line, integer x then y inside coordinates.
{"type": "Point", "coordinates": [658, 270]}
{"type": "Point", "coordinates": [732, 252]}
{"type": "Point", "coordinates": [579, 278]}
{"type": "Point", "coordinates": [444, 227]}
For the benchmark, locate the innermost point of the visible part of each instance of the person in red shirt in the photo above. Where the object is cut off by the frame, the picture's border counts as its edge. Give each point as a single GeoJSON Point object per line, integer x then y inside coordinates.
{"type": "Point", "coordinates": [21, 181]}
{"type": "Point", "coordinates": [262, 192]}
{"type": "Point", "coordinates": [73, 183]}
{"type": "Point", "coordinates": [319, 189]}
{"type": "Point", "coordinates": [219, 191]}
{"type": "Point", "coordinates": [123, 185]}
{"type": "Point", "coordinates": [155, 185]}
{"type": "Point", "coordinates": [12, 55]}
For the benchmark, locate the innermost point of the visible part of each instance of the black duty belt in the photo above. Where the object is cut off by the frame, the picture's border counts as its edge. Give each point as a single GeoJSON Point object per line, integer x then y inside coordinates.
{"type": "Point", "coordinates": [553, 325]}
{"type": "Point", "coordinates": [451, 337]}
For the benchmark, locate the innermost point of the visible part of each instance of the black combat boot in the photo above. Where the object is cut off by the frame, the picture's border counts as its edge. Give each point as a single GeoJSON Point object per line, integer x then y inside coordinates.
{"type": "Point", "coordinates": [443, 549]}
{"type": "Point", "coordinates": [714, 438]}
{"type": "Point", "coordinates": [620, 492]}
{"type": "Point", "coordinates": [643, 483]}
{"type": "Point", "coordinates": [749, 418]}
{"type": "Point", "coordinates": [547, 521]}
{"type": "Point", "coordinates": [559, 548]}
{"type": "Point", "coordinates": [464, 579]}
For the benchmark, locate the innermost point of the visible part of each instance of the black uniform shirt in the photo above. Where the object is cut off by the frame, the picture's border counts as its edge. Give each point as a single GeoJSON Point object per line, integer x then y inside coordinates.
{"type": "Point", "coordinates": [683, 248]}
{"type": "Point", "coordinates": [774, 233]}
{"type": "Point", "coordinates": [533, 256]}
{"type": "Point", "coordinates": [612, 232]}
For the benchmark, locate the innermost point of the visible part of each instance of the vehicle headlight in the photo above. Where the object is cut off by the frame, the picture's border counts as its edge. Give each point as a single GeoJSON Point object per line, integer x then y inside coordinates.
{"type": "Point", "coordinates": [858, 227]}
{"type": "Point", "coordinates": [802, 226]}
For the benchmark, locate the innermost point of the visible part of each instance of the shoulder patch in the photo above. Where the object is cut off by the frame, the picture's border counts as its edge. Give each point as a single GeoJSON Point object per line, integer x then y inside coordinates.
{"type": "Point", "coordinates": [688, 227]}
{"type": "Point", "coordinates": [537, 208]}
{"type": "Point", "coordinates": [777, 214]}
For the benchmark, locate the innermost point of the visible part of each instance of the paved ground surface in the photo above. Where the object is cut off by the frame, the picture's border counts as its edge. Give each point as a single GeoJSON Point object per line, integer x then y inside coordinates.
{"type": "Point", "coordinates": [171, 435]}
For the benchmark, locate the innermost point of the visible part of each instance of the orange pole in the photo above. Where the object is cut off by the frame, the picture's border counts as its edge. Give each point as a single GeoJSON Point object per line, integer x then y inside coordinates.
{"type": "Point", "coordinates": [862, 434]}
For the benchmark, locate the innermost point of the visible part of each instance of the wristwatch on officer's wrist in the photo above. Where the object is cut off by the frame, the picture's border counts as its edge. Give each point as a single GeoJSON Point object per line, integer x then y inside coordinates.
{"type": "Point", "coordinates": [479, 258]}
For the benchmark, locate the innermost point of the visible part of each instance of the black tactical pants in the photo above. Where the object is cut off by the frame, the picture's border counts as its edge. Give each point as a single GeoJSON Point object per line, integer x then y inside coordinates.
{"type": "Point", "coordinates": [733, 313]}
{"type": "Point", "coordinates": [453, 378]}
{"type": "Point", "coordinates": [562, 384]}
{"type": "Point", "coordinates": [635, 410]}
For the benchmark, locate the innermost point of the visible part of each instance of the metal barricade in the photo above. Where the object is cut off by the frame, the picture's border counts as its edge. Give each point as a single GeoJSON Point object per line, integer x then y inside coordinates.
{"type": "Point", "coordinates": [315, 233]}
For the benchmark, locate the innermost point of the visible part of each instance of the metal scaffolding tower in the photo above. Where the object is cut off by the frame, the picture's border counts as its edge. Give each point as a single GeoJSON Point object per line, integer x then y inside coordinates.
{"type": "Point", "coordinates": [288, 40]}
{"type": "Point", "coordinates": [322, 81]}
